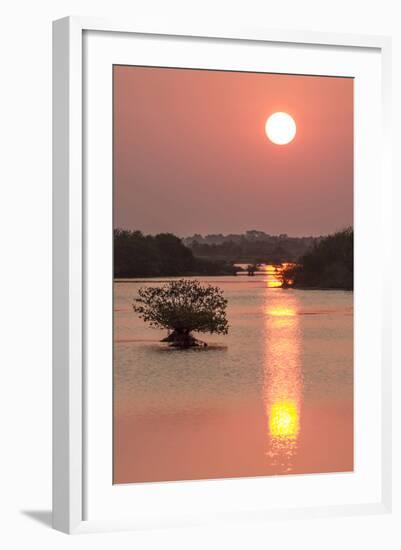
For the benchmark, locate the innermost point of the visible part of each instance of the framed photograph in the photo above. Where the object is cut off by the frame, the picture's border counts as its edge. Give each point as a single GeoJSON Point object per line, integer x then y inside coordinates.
{"type": "Point", "coordinates": [221, 336]}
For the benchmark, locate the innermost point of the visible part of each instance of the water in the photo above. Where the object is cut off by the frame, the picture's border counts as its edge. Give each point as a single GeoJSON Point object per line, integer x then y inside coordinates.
{"type": "Point", "coordinates": [274, 396]}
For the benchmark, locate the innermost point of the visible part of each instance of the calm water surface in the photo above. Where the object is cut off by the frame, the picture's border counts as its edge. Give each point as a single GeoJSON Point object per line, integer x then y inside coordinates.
{"type": "Point", "coordinates": [274, 396]}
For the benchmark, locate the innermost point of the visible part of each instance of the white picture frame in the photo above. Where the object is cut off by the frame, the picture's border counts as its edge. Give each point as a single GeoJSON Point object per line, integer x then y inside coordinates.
{"type": "Point", "coordinates": [70, 286]}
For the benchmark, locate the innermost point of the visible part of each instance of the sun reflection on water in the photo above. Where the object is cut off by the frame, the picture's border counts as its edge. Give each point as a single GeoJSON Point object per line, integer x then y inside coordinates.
{"type": "Point", "coordinates": [281, 311]}
{"type": "Point", "coordinates": [272, 278]}
{"type": "Point", "coordinates": [274, 273]}
{"type": "Point", "coordinates": [282, 380]}
{"type": "Point", "coordinates": [284, 419]}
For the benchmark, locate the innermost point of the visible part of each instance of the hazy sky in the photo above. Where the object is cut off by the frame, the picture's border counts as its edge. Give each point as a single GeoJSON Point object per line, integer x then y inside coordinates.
{"type": "Point", "coordinates": [191, 154]}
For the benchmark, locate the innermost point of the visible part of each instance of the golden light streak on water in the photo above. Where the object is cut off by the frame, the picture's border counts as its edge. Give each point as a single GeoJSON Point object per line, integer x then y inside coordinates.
{"type": "Point", "coordinates": [283, 383]}
{"type": "Point", "coordinates": [284, 419]}
{"type": "Point", "coordinates": [272, 276]}
{"type": "Point", "coordinates": [281, 311]}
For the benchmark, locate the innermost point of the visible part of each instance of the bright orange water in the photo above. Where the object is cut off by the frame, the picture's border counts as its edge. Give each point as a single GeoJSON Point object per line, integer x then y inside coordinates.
{"type": "Point", "coordinates": [274, 396]}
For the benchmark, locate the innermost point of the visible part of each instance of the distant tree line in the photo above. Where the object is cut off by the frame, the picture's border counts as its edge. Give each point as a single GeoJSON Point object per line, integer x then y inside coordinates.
{"type": "Point", "coordinates": [329, 264]}
{"type": "Point", "coordinates": [317, 262]}
{"type": "Point", "coordinates": [251, 247]}
{"type": "Point", "coordinates": [250, 235]}
{"type": "Point", "coordinates": [162, 255]}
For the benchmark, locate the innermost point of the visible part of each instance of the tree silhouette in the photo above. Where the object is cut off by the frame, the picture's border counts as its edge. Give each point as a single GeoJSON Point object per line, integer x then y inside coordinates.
{"type": "Point", "coordinates": [183, 306]}
{"type": "Point", "coordinates": [329, 264]}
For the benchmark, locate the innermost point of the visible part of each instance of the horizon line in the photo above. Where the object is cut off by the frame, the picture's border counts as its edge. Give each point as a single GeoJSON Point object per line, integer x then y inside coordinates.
{"type": "Point", "coordinates": [204, 235]}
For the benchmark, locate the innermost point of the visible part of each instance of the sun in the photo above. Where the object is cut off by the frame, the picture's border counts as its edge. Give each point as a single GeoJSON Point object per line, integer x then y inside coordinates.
{"type": "Point", "coordinates": [280, 128]}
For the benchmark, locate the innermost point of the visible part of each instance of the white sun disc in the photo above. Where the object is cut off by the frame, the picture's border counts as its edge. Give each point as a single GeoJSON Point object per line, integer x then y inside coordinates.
{"type": "Point", "coordinates": [280, 128]}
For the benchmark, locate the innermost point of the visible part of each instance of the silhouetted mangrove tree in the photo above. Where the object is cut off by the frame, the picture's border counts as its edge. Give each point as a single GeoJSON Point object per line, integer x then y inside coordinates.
{"type": "Point", "coordinates": [183, 307]}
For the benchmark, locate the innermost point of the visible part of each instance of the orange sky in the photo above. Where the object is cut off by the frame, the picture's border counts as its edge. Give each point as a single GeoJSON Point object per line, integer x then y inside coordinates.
{"type": "Point", "coordinates": [191, 154]}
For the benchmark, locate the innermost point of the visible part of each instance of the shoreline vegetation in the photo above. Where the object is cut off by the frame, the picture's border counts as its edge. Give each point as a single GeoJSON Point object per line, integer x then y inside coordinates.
{"type": "Point", "coordinates": [162, 255]}
{"type": "Point", "coordinates": [315, 263]}
{"type": "Point", "coordinates": [328, 265]}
